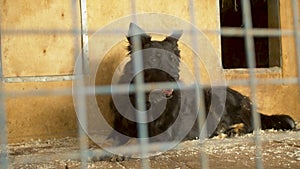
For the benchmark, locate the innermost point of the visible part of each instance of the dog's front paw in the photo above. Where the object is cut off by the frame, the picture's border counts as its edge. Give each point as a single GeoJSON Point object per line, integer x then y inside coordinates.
{"type": "Point", "coordinates": [236, 130]}
{"type": "Point", "coordinates": [111, 158]}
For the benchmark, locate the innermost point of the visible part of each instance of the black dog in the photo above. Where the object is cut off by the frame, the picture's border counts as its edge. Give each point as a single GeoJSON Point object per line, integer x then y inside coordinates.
{"type": "Point", "coordinates": [177, 119]}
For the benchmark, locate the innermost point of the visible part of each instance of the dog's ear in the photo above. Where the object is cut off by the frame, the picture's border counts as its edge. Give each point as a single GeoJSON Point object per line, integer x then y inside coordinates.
{"type": "Point", "coordinates": [174, 37]}
{"type": "Point", "coordinates": [136, 31]}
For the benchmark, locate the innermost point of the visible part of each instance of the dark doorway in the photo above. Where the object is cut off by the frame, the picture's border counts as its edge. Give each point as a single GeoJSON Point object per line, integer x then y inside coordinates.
{"type": "Point", "coordinates": [265, 14]}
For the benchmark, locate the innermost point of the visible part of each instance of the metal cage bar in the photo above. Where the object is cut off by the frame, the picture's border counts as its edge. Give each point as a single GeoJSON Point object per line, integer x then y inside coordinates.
{"type": "Point", "coordinates": [198, 88]}
{"type": "Point", "coordinates": [4, 161]}
{"type": "Point", "coordinates": [295, 9]}
{"type": "Point", "coordinates": [249, 41]}
{"type": "Point", "coordinates": [141, 115]}
{"type": "Point", "coordinates": [82, 61]}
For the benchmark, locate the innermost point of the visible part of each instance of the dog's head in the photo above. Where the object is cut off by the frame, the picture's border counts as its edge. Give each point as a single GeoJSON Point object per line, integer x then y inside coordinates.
{"type": "Point", "coordinates": [160, 61]}
{"type": "Point", "coordinates": [160, 58]}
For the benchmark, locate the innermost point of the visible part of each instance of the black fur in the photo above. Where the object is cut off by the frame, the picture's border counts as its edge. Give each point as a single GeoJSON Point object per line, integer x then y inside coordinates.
{"type": "Point", "coordinates": [165, 55]}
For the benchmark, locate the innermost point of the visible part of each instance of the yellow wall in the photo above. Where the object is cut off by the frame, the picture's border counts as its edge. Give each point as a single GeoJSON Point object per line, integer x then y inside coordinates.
{"type": "Point", "coordinates": [31, 54]}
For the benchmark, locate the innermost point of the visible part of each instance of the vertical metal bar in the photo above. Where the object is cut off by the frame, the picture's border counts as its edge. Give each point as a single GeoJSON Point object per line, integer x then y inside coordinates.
{"type": "Point", "coordinates": [140, 101]}
{"type": "Point", "coordinates": [249, 42]}
{"type": "Point", "coordinates": [140, 89]}
{"type": "Point", "coordinates": [81, 101]}
{"type": "Point", "coordinates": [198, 88]}
{"type": "Point", "coordinates": [218, 13]}
{"type": "Point", "coordinates": [133, 10]}
{"type": "Point", "coordinates": [84, 36]}
{"type": "Point", "coordinates": [4, 161]}
{"type": "Point", "coordinates": [295, 9]}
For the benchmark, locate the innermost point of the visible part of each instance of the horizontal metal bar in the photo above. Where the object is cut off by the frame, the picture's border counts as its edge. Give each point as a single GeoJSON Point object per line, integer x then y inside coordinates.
{"type": "Point", "coordinates": [107, 89]}
{"type": "Point", "coordinates": [52, 78]}
{"type": "Point", "coordinates": [226, 31]}
{"type": "Point", "coordinates": [257, 32]}
{"type": "Point", "coordinates": [38, 78]}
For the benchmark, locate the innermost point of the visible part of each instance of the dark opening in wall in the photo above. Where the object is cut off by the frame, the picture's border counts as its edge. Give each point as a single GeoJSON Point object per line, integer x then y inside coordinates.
{"type": "Point", "coordinates": [265, 14]}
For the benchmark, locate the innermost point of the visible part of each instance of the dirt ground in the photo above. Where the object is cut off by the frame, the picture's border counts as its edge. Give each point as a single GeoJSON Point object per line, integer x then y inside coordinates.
{"type": "Point", "coordinates": [279, 150]}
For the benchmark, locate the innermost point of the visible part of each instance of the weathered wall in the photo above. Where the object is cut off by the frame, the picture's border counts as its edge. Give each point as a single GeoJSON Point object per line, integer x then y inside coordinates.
{"type": "Point", "coordinates": [37, 40]}
{"type": "Point", "coordinates": [39, 116]}
{"type": "Point", "coordinates": [31, 54]}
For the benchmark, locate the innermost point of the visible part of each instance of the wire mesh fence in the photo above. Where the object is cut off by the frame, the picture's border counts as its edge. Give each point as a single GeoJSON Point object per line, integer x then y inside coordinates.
{"type": "Point", "coordinates": [85, 70]}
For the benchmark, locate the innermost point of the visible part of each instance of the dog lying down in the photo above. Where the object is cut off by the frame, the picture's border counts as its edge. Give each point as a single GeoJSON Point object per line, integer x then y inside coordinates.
{"type": "Point", "coordinates": [171, 113]}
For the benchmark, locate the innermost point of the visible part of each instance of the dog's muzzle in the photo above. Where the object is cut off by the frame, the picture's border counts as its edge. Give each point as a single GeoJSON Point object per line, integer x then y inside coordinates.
{"type": "Point", "coordinates": [168, 93]}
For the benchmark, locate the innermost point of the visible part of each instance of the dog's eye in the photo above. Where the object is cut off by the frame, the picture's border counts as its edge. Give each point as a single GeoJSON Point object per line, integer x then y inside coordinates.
{"type": "Point", "coordinates": [173, 58]}
{"type": "Point", "coordinates": [153, 59]}
{"type": "Point", "coordinates": [146, 46]}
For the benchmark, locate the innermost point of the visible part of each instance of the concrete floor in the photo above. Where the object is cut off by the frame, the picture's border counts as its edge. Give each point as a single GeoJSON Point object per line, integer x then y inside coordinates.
{"type": "Point", "coordinates": [279, 150]}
